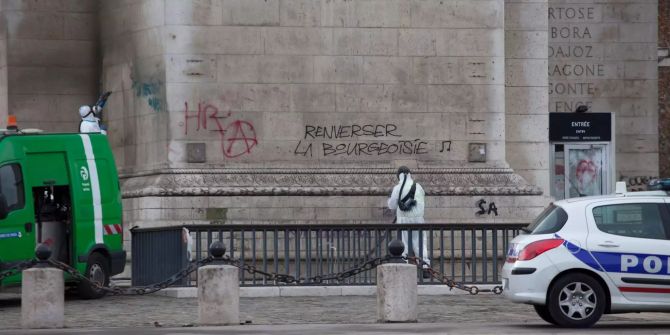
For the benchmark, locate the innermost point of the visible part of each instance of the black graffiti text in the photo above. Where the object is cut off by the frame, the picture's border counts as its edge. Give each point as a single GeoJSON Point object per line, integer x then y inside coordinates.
{"type": "Point", "coordinates": [482, 210]}
{"type": "Point", "coordinates": [350, 131]}
{"type": "Point", "coordinates": [415, 147]}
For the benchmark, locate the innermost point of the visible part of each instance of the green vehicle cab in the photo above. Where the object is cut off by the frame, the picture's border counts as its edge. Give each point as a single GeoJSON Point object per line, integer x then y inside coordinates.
{"type": "Point", "coordinates": [61, 190]}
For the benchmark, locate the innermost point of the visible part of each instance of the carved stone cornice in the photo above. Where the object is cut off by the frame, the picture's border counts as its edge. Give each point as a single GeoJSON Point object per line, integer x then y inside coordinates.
{"type": "Point", "coordinates": [321, 182]}
{"type": "Point", "coordinates": [306, 171]}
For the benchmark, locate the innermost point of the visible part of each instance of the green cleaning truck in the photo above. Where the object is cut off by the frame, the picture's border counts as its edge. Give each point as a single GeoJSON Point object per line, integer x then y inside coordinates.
{"type": "Point", "coordinates": [61, 190]}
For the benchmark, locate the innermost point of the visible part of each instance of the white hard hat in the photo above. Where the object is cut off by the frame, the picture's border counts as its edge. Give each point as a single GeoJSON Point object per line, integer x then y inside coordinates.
{"type": "Point", "coordinates": [84, 111]}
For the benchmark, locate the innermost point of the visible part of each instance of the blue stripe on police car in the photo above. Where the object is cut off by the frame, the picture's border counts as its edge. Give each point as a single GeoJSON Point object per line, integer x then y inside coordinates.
{"type": "Point", "coordinates": [582, 254]}
{"type": "Point", "coordinates": [651, 264]}
{"type": "Point", "coordinates": [634, 263]}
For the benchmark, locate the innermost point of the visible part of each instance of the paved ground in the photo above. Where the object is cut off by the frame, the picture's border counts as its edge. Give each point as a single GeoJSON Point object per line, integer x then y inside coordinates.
{"type": "Point", "coordinates": [370, 329]}
{"type": "Point", "coordinates": [470, 314]}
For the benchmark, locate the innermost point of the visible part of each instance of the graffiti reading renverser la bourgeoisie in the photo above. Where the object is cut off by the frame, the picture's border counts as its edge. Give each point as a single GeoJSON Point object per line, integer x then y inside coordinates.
{"type": "Point", "coordinates": [359, 140]}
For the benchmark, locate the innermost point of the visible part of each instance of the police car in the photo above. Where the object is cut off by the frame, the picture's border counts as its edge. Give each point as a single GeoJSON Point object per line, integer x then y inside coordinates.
{"type": "Point", "coordinates": [585, 257]}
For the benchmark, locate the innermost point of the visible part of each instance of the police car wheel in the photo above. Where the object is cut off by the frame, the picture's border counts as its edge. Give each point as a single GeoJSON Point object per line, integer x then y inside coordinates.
{"type": "Point", "coordinates": [543, 312]}
{"type": "Point", "coordinates": [576, 300]}
{"type": "Point", "coordinates": [97, 270]}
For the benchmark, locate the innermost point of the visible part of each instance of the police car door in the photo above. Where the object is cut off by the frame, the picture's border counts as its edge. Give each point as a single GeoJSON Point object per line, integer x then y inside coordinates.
{"type": "Point", "coordinates": [629, 239]}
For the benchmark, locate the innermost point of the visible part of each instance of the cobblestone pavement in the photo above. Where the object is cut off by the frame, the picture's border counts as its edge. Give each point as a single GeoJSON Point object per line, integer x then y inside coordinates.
{"type": "Point", "coordinates": [143, 311]}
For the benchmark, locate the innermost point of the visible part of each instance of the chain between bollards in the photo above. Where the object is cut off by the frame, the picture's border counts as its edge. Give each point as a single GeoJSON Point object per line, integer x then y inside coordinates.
{"type": "Point", "coordinates": [217, 256]}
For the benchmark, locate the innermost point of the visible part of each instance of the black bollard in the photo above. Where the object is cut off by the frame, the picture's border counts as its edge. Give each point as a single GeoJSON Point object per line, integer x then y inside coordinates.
{"type": "Point", "coordinates": [42, 252]}
{"type": "Point", "coordinates": [217, 250]}
{"type": "Point", "coordinates": [396, 248]}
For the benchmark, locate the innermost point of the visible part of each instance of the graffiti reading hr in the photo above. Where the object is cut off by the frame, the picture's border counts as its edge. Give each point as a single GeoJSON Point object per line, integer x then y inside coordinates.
{"type": "Point", "coordinates": [238, 137]}
{"type": "Point", "coordinates": [369, 140]}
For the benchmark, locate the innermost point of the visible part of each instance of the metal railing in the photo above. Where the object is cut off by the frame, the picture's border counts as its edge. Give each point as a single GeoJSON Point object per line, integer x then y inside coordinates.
{"type": "Point", "coordinates": [469, 253]}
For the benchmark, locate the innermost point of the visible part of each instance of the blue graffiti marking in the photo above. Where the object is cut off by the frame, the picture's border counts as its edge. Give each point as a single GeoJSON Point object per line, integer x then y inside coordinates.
{"type": "Point", "coordinates": [155, 103]}
{"type": "Point", "coordinates": [151, 91]}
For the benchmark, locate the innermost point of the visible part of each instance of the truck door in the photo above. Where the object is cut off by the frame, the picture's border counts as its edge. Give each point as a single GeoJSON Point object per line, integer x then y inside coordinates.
{"type": "Point", "coordinates": [17, 222]}
{"type": "Point", "coordinates": [630, 242]}
{"type": "Point", "coordinates": [48, 180]}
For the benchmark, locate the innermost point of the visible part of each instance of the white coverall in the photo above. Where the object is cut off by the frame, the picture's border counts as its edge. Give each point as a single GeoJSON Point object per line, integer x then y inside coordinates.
{"type": "Point", "coordinates": [90, 124]}
{"type": "Point", "coordinates": [414, 215]}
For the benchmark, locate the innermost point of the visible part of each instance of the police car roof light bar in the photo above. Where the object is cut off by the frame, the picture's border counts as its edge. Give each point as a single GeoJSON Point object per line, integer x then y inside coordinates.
{"type": "Point", "coordinates": [659, 184]}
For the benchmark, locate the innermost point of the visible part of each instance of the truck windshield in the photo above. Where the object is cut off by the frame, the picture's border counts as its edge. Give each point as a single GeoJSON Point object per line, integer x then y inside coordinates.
{"type": "Point", "coordinates": [11, 187]}
{"type": "Point", "coordinates": [550, 221]}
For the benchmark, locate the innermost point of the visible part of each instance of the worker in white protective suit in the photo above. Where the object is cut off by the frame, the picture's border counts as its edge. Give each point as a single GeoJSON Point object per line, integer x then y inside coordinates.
{"type": "Point", "coordinates": [408, 200]}
{"type": "Point", "coordinates": [90, 122]}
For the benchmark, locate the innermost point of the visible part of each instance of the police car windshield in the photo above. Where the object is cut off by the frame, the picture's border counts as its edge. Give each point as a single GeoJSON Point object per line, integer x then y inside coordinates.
{"type": "Point", "coordinates": [550, 221]}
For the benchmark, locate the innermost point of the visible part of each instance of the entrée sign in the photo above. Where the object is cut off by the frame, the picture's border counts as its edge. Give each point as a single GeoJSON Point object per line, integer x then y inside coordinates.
{"type": "Point", "coordinates": [580, 127]}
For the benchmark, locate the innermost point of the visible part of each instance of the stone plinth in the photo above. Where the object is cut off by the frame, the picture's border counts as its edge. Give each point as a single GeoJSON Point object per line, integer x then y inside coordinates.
{"type": "Point", "coordinates": [42, 298]}
{"type": "Point", "coordinates": [396, 293]}
{"type": "Point", "coordinates": [218, 295]}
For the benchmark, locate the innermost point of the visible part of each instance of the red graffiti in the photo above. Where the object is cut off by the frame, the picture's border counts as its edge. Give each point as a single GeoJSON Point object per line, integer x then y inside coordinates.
{"type": "Point", "coordinates": [237, 137]}
{"type": "Point", "coordinates": [205, 112]}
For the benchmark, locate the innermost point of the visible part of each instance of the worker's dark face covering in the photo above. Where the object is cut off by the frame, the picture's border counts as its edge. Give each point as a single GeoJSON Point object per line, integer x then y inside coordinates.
{"type": "Point", "coordinates": [402, 173]}
{"type": "Point", "coordinates": [407, 202]}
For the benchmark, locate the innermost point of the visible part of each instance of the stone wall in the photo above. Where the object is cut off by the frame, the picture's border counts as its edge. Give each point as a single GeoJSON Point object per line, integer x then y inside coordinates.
{"type": "Point", "coordinates": [664, 88]}
{"type": "Point", "coordinates": [4, 86]}
{"type": "Point", "coordinates": [334, 83]}
{"type": "Point", "coordinates": [50, 63]}
{"type": "Point", "coordinates": [300, 110]}
{"type": "Point", "coordinates": [603, 55]}
{"type": "Point", "coordinates": [133, 63]}
{"type": "Point", "coordinates": [526, 97]}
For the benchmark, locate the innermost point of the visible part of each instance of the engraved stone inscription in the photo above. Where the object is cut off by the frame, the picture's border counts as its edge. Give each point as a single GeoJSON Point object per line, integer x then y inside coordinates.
{"type": "Point", "coordinates": [574, 71]}
{"type": "Point", "coordinates": [603, 54]}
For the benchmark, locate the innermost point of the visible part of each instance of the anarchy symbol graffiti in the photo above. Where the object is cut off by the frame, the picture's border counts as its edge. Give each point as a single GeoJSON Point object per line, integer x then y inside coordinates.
{"type": "Point", "coordinates": [238, 139]}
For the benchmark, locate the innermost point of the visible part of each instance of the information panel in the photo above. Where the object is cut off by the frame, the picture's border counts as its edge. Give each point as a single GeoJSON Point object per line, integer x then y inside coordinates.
{"type": "Point", "coordinates": [580, 127]}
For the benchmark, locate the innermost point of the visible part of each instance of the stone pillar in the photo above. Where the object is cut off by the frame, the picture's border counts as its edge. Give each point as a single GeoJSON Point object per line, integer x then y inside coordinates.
{"type": "Point", "coordinates": [664, 87]}
{"type": "Point", "coordinates": [396, 293]}
{"type": "Point", "coordinates": [4, 85]}
{"type": "Point", "coordinates": [42, 298]}
{"type": "Point", "coordinates": [218, 295]}
{"type": "Point", "coordinates": [50, 64]}
{"type": "Point", "coordinates": [526, 90]}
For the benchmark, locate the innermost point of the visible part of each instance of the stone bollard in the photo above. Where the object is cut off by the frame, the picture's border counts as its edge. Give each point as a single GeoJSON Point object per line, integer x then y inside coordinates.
{"type": "Point", "coordinates": [396, 288]}
{"type": "Point", "coordinates": [218, 291]}
{"type": "Point", "coordinates": [42, 294]}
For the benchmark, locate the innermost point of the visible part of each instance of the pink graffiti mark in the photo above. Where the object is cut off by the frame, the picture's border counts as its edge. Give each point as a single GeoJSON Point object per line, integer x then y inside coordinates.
{"type": "Point", "coordinates": [237, 137]}
{"type": "Point", "coordinates": [205, 112]}
{"type": "Point", "coordinates": [241, 140]}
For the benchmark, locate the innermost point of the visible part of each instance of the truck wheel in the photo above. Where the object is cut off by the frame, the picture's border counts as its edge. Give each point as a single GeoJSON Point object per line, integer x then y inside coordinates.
{"type": "Point", "coordinates": [97, 270]}
{"type": "Point", "coordinates": [576, 300]}
{"type": "Point", "coordinates": [543, 312]}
